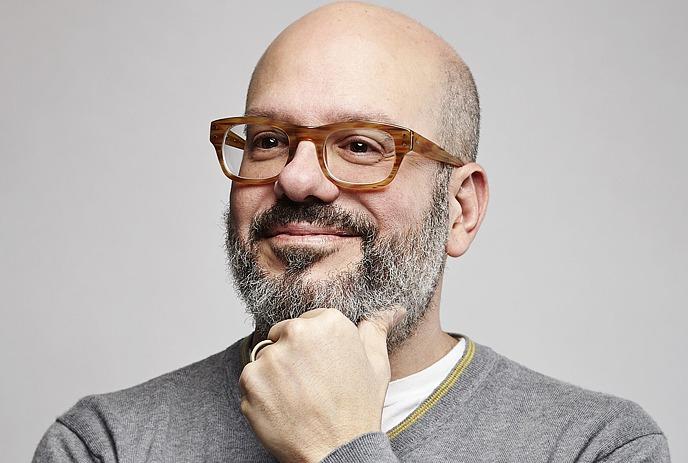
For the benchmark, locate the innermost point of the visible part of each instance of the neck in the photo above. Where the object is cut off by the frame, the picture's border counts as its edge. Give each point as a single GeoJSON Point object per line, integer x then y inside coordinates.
{"type": "Point", "coordinates": [425, 346]}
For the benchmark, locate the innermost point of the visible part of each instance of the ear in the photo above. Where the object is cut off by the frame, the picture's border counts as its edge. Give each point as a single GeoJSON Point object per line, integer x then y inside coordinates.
{"type": "Point", "coordinates": [468, 195]}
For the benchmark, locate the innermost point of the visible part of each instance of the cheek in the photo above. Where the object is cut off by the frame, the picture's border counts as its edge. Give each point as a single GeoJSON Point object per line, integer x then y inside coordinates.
{"type": "Point", "coordinates": [245, 201]}
{"type": "Point", "coordinates": [403, 203]}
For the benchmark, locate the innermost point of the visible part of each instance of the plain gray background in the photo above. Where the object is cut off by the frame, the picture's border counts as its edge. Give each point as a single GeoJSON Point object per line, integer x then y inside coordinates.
{"type": "Point", "coordinates": [113, 269]}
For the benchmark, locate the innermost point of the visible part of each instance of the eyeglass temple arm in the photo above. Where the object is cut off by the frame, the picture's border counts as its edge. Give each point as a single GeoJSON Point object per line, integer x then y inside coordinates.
{"type": "Point", "coordinates": [422, 145]}
{"type": "Point", "coordinates": [232, 139]}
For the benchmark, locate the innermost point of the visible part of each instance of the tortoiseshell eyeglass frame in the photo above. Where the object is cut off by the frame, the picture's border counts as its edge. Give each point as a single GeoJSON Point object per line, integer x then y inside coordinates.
{"type": "Point", "coordinates": [406, 140]}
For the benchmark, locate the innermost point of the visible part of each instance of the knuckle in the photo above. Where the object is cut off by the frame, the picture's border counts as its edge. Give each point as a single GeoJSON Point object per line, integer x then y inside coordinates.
{"type": "Point", "coordinates": [246, 378]}
{"type": "Point", "coordinates": [245, 406]}
{"type": "Point", "coordinates": [332, 317]}
{"type": "Point", "coordinates": [333, 313]}
{"type": "Point", "coordinates": [338, 321]}
{"type": "Point", "coordinates": [295, 327]}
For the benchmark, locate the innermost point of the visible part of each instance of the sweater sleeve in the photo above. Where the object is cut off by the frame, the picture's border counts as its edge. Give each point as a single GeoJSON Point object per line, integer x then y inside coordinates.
{"type": "Point", "coordinates": [651, 448]}
{"type": "Point", "coordinates": [370, 447]}
{"type": "Point", "coordinates": [60, 445]}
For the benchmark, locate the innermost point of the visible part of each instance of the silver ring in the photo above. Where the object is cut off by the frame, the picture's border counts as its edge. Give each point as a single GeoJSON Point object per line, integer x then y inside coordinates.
{"type": "Point", "coordinates": [258, 347]}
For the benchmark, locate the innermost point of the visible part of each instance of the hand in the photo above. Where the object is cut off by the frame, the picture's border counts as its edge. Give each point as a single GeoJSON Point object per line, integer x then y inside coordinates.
{"type": "Point", "coordinates": [321, 384]}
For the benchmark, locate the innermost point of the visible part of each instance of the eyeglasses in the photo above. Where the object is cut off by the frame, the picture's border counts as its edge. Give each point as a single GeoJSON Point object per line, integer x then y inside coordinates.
{"type": "Point", "coordinates": [356, 155]}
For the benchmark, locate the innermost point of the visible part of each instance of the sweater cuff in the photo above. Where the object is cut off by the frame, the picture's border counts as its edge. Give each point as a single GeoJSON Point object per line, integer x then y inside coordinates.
{"type": "Point", "coordinates": [369, 447]}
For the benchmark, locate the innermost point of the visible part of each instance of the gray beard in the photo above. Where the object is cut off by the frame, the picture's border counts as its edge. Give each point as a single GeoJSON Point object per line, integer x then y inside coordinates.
{"type": "Point", "coordinates": [402, 269]}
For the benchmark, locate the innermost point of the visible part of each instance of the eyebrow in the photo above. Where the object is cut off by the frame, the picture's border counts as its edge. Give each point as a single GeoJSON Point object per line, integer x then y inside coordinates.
{"type": "Point", "coordinates": [329, 116]}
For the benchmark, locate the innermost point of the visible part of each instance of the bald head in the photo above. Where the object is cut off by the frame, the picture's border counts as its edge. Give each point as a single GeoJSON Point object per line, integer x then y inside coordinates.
{"type": "Point", "coordinates": [360, 59]}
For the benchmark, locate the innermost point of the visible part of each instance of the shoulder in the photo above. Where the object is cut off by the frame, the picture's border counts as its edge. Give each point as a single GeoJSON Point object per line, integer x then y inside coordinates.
{"type": "Point", "coordinates": [102, 421]}
{"type": "Point", "coordinates": [559, 399]}
{"type": "Point", "coordinates": [563, 414]}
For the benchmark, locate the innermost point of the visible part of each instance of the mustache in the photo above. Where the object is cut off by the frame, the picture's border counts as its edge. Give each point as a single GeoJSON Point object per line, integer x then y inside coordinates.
{"type": "Point", "coordinates": [317, 212]}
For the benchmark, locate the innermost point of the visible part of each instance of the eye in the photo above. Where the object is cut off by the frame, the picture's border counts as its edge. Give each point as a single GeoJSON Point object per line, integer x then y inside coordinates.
{"type": "Point", "coordinates": [267, 141]}
{"type": "Point", "coordinates": [358, 147]}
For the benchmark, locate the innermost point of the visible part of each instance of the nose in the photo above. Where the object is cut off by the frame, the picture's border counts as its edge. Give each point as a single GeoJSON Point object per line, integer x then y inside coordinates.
{"type": "Point", "coordinates": [302, 179]}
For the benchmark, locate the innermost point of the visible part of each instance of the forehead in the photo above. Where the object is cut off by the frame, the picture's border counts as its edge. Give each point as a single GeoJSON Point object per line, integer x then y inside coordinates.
{"type": "Point", "coordinates": [342, 79]}
{"type": "Point", "coordinates": [323, 114]}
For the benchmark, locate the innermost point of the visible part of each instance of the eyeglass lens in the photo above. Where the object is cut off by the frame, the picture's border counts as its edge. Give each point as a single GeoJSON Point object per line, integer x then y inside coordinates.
{"type": "Point", "coordinates": [354, 155]}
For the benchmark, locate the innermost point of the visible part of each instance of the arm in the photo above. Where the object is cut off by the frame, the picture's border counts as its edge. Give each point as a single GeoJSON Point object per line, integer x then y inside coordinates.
{"type": "Point", "coordinates": [60, 445]}
{"type": "Point", "coordinates": [370, 447]}
{"type": "Point", "coordinates": [650, 448]}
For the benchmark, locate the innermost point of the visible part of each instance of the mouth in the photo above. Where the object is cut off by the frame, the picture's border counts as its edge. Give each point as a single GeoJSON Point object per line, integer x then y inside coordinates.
{"type": "Point", "coordinates": [307, 233]}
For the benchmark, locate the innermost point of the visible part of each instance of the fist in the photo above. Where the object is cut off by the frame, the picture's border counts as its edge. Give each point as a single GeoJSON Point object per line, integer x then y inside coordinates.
{"type": "Point", "coordinates": [321, 384]}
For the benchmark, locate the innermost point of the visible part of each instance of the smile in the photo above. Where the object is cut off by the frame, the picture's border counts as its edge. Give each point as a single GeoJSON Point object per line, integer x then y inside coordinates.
{"type": "Point", "coordinates": [307, 233]}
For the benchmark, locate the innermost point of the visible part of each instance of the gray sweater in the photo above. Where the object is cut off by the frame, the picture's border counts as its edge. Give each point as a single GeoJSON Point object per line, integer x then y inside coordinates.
{"type": "Point", "coordinates": [488, 409]}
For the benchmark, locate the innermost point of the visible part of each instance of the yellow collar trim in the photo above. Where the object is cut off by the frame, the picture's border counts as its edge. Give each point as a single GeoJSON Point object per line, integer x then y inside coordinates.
{"type": "Point", "coordinates": [441, 390]}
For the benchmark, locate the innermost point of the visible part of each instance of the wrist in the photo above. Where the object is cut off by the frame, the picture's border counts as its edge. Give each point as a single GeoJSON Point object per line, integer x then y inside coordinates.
{"type": "Point", "coordinates": [319, 451]}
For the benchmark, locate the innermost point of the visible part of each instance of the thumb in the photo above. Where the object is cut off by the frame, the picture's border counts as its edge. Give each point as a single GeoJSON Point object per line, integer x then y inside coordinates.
{"type": "Point", "coordinates": [373, 333]}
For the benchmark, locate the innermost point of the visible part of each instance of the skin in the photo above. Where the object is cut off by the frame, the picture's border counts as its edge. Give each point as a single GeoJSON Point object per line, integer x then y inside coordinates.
{"type": "Point", "coordinates": [303, 395]}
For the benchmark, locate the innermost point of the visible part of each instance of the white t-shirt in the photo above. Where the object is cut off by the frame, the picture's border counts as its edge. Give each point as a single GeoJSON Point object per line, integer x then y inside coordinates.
{"type": "Point", "coordinates": [405, 394]}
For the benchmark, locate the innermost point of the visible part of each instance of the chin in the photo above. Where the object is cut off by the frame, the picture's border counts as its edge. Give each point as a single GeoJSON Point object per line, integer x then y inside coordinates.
{"type": "Point", "coordinates": [331, 268]}
{"type": "Point", "coordinates": [316, 268]}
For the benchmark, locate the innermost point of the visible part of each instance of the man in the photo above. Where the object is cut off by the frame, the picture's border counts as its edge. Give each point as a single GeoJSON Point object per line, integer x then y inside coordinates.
{"type": "Point", "coordinates": [342, 212]}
